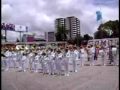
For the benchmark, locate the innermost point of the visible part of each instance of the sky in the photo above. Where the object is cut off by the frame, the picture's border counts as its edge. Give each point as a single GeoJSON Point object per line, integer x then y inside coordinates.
{"type": "Point", "coordinates": [40, 15]}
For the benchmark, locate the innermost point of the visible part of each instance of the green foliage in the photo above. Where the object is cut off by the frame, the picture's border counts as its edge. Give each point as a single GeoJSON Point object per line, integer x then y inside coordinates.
{"type": "Point", "coordinates": [61, 33]}
{"type": "Point", "coordinates": [105, 29]}
{"type": "Point", "coordinates": [87, 37]}
{"type": "Point", "coordinates": [101, 34]}
{"type": "Point", "coordinates": [78, 40]}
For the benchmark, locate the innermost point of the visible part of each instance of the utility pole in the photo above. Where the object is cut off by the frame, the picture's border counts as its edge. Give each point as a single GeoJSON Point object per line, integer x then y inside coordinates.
{"type": "Point", "coordinates": [5, 35]}
{"type": "Point", "coordinates": [21, 33]}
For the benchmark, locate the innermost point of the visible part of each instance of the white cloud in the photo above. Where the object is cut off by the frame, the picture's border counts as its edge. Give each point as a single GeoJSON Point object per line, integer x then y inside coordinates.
{"type": "Point", "coordinates": [39, 15]}
{"type": "Point", "coordinates": [6, 12]}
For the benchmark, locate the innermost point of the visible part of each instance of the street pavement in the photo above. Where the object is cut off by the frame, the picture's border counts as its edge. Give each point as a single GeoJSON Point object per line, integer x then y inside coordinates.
{"type": "Point", "coordinates": [87, 78]}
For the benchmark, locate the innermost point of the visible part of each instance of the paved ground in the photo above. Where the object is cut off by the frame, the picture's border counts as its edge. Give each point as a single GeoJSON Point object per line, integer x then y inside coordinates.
{"type": "Point", "coordinates": [87, 78]}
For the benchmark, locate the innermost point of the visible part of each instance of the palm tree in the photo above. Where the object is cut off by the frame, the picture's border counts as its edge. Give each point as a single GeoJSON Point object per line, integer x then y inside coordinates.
{"type": "Point", "coordinates": [61, 33]}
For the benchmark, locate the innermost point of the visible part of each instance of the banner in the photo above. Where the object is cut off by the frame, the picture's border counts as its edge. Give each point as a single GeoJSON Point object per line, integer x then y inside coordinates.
{"type": "Point", "coordinates": [104, 42]}
{"type": "Point", "coordinates": [8, 26]}
{"type": "Point", "coordinates": [21, 28]}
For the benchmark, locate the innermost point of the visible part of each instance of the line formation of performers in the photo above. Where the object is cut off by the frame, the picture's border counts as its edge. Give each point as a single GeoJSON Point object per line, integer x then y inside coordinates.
{"type": "Point", "coordinates": [57, 61]}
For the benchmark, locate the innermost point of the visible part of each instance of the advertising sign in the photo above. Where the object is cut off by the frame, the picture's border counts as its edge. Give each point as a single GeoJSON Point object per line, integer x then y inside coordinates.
{"type": "Point", "coordinates": [20, 28]}
{"type": "Point", "coordinates": [8, 26]}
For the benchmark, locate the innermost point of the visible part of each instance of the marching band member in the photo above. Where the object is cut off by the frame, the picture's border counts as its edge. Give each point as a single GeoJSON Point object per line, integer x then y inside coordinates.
{"type": "Point", "coordinates": [23, 62]}
{"type": "Point", "coordinates": [14, 59]}
{"type": "Point", "coordinates": [76, 53]}
{"type": "Point", "coordinates": [66, 62]}
{"type": "Point", "coordinates": [96, 52]}
{"type": "Point", "coordinates": [114, 54]}
{"type": "Point", "coordinates": [82, 56]}
{"type": "Point", "coordinates": [8, 59]}
{"type": "Point", "coordinates": [50, 62]}
{"type": "Point", "coordinates": [43, 62]}
{"type": "Point", "coordinates": [3, 58]}
{"type": "Point", "coordinates": [58, 61]}
{"type": "Point", "coordinates": [91, 54]}
{"type": "Point", "coordinates": [36, 62]}
{"type": "Point", "coordinates": [31, 58]}
{"type": "Point", "coordinates": [110, 55]}
{"type": "Point", "coordinates": [93, 51]}
{"type": "Point", "coordinates": [102, 55]}
{"type": "Point", "coordinates": [19, 57]}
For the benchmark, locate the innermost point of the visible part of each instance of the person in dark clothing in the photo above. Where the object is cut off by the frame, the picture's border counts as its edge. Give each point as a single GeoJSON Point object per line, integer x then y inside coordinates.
{"type": "Point", "coordinates": [110, 55]}
{"type": "Point", "coordinates": [2, 55]}
{"type": "Point", "coordinates": [96, 53]}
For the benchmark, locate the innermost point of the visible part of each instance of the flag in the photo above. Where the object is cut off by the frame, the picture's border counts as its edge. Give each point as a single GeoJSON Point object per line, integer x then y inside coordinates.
{"type": "Point", "coordinates": [99, 15]}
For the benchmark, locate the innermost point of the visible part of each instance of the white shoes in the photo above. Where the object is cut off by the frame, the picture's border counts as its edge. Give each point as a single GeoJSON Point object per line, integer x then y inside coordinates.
{"type": "Point", "coordinates": [67, 74]}
{"type": "Point", "coordinates": [6, 69]}
{"type": "Point", "coordinates": [76, 71]}
{"type": "Point", "coordinates": [24, 70]}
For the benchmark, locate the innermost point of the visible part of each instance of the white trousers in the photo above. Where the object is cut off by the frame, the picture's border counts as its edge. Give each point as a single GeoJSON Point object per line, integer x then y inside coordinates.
{"type": "Point", "coordinates": [44, 67]}
{"type": "Point", "coordinates": [58, 68]}
{"type": "Point", "coordinates": [51, 67]}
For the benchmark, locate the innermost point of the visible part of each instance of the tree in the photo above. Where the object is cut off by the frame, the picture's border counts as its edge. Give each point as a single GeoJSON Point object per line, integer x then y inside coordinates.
{"type": "Point", "coordinates": [110, 27]}
{"type": "Point", "coordinates": [61, 33]}
{"type": "Point", "coordinates": [87, 37]}
{"type": "Point", "coordinates": [78, 40]}
{"type": "Point", "coordinates": [101, 34]}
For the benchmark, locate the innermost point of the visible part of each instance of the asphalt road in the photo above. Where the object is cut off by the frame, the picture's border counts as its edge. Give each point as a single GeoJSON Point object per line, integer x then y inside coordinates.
{"type": "Point", "coordinates": [87, 78]}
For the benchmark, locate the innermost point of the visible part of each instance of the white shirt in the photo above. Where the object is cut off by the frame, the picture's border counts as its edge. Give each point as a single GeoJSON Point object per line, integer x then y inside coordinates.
{"type": "Point", "coordinates": [14, 55]}
{"type": "Point", "coordinates": [60, 55]}
{"type": "Point", "coordinates": [76, 54]}
{"type": "Point", "coordinates": [53, 54]}
{"type": "Point", "coordinates": [36, 60]}
{"type": "Point", "coordinates": [31, 54]}
{"type": "Point", "coordinates": [24, 58]}
{"type": "Point", "coordinates": [8, 53]}
{"type": "Point", "coordinates": [37, 57]}
{"type": "Point", "coordinates": [114, 49]}
{"type": "Point", "coordinates": [68, 54]}
{"type": "Point", "coordinates": [92, 49]}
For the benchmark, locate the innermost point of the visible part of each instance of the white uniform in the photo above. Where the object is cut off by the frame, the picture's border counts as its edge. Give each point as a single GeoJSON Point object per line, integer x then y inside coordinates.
{"type": "Point", "coordinates": [31, 58]}
{"type": "Point", "coordinates": [58, 65]}
{"type": "Point", "coordinates": [82, 56]}
{"type": "Point", "coordinates": [92, 54]}
{"type": "Point", "coordinates": [92, 50]}
{"type": "Point", "coordinates": [50, 63]}
{"type": "Point", "coordinates": [18, 58]}
{"type": "Point", "coordinates": [8, 59]}
{"type": "Point", "coordinates": [14, 59]}
{"type": "Point", "coordinates": [3, 62]}
{"type": "Point", "coordinates": [66, 63]}
{"type": "Point", "coordinates": [76, 58]}
{"type": "Point", "coordinates": [43, 62]}
{"type": "Point", "coordinates": [102, 55]}
{"type": "Point", "coordinates": [23, 63]}
{"type": "Point", "coordinates": [36, 63]}
{"type": "Point", "coordinates": [114, 53]}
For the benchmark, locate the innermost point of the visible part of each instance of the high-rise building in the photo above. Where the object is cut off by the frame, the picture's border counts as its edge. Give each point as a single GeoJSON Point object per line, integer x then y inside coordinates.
{"type": "Point", "coordinates": [70, 24]}
{"type": "Point", "coordinates": [60, 22]}
{"type": "Point", "coordinates": [73, 27]}
{"type": "Point", "coordinates": [50, 36]}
